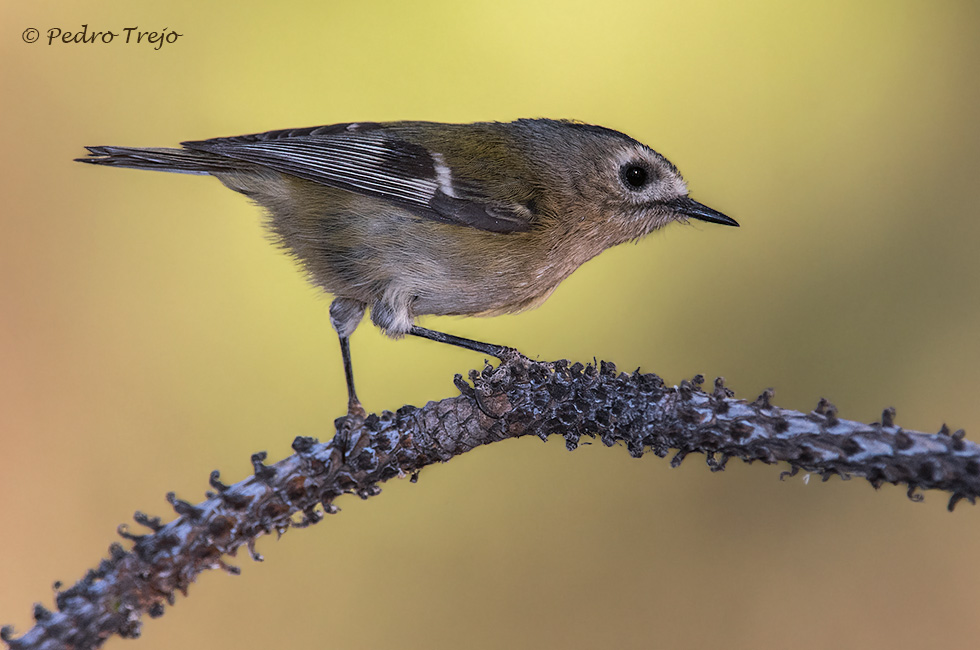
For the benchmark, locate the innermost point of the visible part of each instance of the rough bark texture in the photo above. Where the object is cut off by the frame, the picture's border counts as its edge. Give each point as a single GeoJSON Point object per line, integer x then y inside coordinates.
{"type": "Point", "coordinates": [518, 398]}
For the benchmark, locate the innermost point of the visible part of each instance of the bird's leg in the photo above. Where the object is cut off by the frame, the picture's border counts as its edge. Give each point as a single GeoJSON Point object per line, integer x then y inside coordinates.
{"type": "Point", "coordinates": [498, 351]}
{"type": "Point", "coordinates": [345, 314]}
{"type": "Point", "coordinates": [396, 319]}
{"type": "Point", "coordinates": [355, 412]}
{"type": "Point", "coordinates": [353, 404]}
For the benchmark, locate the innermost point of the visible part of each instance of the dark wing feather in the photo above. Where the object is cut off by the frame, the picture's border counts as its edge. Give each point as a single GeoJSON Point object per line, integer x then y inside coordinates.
{"type": "Point", "coordinates": [368, 160]}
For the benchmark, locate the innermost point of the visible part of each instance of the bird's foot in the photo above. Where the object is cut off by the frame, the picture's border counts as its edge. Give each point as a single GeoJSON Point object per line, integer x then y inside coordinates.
{"type": "Point", "coordinates": [346, 425]}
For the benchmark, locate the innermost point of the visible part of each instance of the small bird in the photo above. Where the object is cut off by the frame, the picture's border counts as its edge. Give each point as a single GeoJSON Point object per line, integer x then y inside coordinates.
{"type": "Point", "coordinates": [415, 218]}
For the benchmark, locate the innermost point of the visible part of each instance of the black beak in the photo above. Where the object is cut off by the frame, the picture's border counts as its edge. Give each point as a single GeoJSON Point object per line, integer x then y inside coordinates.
{"type": "Point", "coordinates": [691, 208]}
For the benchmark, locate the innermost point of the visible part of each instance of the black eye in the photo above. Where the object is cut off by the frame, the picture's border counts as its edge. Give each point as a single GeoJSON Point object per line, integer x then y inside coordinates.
{"type": "Point", "coordinates": [635, 176]}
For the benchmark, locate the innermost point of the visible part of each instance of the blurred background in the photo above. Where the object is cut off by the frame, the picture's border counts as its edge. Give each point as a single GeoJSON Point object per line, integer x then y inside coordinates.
{"type": "Point", "coordinates": [149, 333]}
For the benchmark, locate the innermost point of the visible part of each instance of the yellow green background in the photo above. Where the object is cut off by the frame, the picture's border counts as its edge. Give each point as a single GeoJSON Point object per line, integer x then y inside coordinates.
{"type": "Point", "coordinates": [149, 333]}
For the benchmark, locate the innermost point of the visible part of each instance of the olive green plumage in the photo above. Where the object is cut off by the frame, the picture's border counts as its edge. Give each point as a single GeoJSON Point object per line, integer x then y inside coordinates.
{"type": "Point", "coordinates": [415, 218]}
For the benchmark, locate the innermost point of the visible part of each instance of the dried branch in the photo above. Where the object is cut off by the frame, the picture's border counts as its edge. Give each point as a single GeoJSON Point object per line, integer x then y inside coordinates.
{"type": "Point", "coordinates": [520, 397]}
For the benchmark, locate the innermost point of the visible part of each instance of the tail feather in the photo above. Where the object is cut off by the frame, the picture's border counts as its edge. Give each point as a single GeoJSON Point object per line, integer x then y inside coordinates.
{"type": "Point", "coordinates": [159, 159]}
